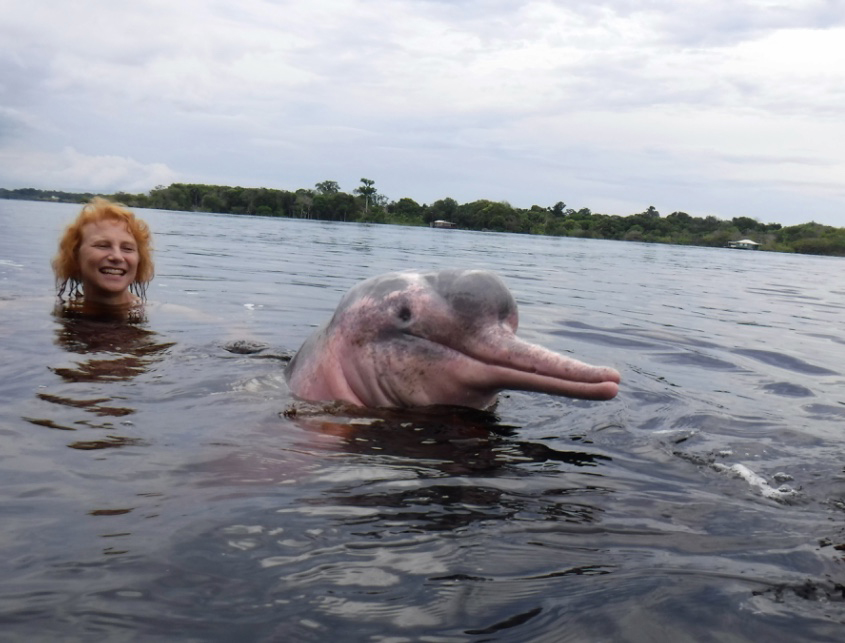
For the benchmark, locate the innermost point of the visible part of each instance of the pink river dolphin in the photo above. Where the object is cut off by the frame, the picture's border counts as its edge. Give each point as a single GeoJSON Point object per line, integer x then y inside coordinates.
{"type": "Point", "coordinates": [412, 339]}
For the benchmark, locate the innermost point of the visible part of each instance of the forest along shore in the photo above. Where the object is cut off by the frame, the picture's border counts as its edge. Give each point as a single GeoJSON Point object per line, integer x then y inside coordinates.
{"type": "Point", "coordinates": [326, 201]}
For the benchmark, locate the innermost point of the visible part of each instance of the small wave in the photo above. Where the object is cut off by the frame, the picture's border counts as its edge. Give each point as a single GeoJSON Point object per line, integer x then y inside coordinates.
{"type": "Point", "coordinates": [697, 360]}
{"type": "Point", "coordinates": [826, 410]}
{"type": "Point", "coordinates": [784, 361]}
{"type": "Point", "coordinates": [605, 340]}
{"type": "Point", "coordinates": [784, 493]}
{"type": "Point", "coordinates": [786, 389]}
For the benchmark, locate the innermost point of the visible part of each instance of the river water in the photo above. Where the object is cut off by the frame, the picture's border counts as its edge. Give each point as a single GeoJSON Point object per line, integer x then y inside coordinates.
{"type": "Point", "coordinates": [155, 485]}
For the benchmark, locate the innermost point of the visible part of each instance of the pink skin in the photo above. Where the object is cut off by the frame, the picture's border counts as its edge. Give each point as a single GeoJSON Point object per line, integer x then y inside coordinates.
{"type": "Point", "coordinates": [412, 339]}
{"type": "Point", "coordinates": [108, 262]}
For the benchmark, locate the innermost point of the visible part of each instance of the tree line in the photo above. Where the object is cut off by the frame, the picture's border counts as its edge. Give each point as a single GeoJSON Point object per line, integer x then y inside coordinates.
{"type": "Point", "coordinates": [326, 201]}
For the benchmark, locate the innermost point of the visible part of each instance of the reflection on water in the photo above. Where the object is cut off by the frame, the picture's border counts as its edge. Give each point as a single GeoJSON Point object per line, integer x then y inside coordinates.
{"type": "Point", "coordinates": [706, 502]}
{"type": "Point", "coordinates": [116, 349]}
{"type": "Point", "coordinates": [130, 348]}
{"type": "Point", "coordinates": [460, 441]}
{"type": "Point", "coordinates": [394, 512]}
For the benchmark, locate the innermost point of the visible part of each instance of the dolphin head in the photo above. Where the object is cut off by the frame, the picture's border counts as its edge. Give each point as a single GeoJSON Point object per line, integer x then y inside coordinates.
{"type": "Point", "coordinates": [449, 337]}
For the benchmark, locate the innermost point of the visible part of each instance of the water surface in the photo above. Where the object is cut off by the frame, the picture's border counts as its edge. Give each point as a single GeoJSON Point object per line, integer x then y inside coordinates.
{"type": "Point", "coordinates": [154, 485]}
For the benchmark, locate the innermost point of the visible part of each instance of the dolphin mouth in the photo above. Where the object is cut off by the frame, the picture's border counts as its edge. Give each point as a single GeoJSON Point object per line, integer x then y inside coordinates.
{"type": "Point", "coordinates": [600, 387]}
{"type": "Point", "coordinates": [500, 360]}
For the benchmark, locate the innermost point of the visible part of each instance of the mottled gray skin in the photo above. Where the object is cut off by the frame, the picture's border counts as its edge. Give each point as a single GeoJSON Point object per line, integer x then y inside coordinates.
{"type": "Point", "coordinates": [418, 339]}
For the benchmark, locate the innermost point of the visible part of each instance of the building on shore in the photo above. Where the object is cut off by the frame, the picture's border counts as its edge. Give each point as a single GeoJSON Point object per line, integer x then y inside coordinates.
{"type": "Point", "coordinates": [744, 244]}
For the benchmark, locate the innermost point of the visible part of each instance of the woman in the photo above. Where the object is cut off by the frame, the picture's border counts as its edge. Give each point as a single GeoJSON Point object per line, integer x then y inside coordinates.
{"type": "Point", "coordinates": [104, 263]}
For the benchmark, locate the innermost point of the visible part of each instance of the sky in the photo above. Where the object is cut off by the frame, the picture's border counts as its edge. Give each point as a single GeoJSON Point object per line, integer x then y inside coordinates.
{"type": "Point", "coordinates": [711, 107]}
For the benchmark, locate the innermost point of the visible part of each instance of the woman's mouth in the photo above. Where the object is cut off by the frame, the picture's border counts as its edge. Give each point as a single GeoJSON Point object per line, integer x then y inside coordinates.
{"type": "Point", "coordinates": [113, 271]}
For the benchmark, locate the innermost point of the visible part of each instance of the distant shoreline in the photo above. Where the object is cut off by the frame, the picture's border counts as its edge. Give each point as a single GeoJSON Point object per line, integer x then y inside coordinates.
{"type": "Point", "coordinates": [327, 202]}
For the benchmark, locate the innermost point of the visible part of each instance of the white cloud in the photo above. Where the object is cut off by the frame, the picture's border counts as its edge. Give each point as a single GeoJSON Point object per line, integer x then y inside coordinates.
{"type": "Point", "coordinates": [71, 170]}
{"type": "Point", "coordinates": [529, 101]}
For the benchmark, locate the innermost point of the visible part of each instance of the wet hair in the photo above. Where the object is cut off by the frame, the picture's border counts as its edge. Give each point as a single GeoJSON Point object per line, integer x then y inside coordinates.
{"type": "Point", "coordinates": [66, 262]}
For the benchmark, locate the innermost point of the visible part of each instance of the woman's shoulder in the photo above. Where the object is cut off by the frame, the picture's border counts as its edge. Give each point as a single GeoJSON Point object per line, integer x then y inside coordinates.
{"type": "Point", "coordinates": [168, 308]}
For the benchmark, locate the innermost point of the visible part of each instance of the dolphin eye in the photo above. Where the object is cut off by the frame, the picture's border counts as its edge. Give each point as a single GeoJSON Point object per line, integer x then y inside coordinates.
{"type": "Point", "coordinates": [405, 313]}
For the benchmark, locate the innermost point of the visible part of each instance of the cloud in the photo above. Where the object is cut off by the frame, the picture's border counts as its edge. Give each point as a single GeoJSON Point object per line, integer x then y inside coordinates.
{"type": "Point", "coordinates": [71, 170]}
{"type": "Point", "coordinates": [590, 102]}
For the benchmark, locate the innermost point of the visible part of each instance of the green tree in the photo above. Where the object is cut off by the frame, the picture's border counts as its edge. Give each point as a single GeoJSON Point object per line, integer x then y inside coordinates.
{"type": "Point", "coordinates": [679, 220]}
{"type": "Point", "coordinates": [334, 207]}
{"type": "Point", "coordinates": [303, 203]}
{"type": "Point", "coordinates": [367, 191]}
{"type": "Point", "coordinates": [445, 209]}
{"type": "Point", "coordinates": [406, 211]}
{"type": "Point", "coordinates": [328, 187]}
{"type": "Point", "coordinates": [211, 202]}
{"type": "Point", "coordinates": [746, 225]}
{"type": "Point", "coordinates": [634, 233]}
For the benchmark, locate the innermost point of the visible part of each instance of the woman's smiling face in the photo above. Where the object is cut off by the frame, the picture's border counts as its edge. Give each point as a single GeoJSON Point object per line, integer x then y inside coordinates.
{"type": "Point", "coordinates": [108, 261]}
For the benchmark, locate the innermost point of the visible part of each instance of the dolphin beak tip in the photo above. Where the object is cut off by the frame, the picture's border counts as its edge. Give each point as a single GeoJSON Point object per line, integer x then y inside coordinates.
{"type": "Point", "coordinates": [608, 388]}
{"type": "Point", "coordinates": [612, 389]}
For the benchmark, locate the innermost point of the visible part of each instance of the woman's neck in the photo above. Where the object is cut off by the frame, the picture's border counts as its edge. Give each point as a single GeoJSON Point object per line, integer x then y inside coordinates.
{"type": "Point", "coordinates": [124, 308]}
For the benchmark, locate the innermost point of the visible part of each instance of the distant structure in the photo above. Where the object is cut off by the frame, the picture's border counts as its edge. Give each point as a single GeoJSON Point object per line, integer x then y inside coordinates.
{"type": "Point", "coordinates": [744, 244]}
{"type": "Point", "coordinates": [440, 223]}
